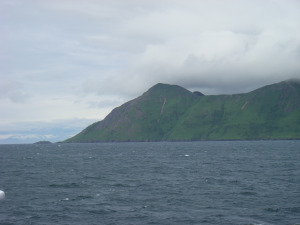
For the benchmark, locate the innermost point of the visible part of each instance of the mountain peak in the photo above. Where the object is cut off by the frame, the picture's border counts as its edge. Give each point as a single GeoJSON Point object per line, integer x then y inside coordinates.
{"type": "Point", "coordinates": [167, 90]}
{"type": "Point", "coordinates": [162, 86]}
{"type": "Point", "coordinates": [172, 113]}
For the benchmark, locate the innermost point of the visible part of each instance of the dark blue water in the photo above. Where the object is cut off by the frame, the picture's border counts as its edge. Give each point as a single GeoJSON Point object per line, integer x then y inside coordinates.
{"type": "Point", "coordinates": [226, 182]}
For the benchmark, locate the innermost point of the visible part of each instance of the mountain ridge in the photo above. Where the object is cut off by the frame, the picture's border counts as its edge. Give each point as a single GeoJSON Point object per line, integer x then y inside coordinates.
{"type": "Point", "coordinates": [172, 113]}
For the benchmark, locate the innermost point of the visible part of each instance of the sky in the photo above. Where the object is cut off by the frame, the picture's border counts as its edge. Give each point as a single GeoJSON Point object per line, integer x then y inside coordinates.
{"type": "Point", "coordinates": [65, 64]}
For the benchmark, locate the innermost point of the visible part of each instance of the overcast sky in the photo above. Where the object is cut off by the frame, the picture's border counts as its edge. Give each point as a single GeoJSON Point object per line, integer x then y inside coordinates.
{"type": "Point", "coordinates": [67, 63]}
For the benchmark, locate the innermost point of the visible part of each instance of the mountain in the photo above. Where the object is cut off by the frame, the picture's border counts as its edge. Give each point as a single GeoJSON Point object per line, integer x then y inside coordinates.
{"type": "Point", "coordinates": [171, 113]}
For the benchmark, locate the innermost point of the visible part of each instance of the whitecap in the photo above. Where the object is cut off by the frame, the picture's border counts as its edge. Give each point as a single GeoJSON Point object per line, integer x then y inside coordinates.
{"type": "Point", "coordinates": [2, 195]}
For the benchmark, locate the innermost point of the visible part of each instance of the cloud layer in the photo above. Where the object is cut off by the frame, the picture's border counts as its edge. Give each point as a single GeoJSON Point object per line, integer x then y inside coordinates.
{"type": "Point", "coordinates": [31, 132]}
{"type": "Point", "coordinates": [65, 59]}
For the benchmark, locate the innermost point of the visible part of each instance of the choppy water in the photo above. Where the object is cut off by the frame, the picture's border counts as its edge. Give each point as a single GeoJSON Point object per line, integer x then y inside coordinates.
{"type": "Point", "coordinates": [227, 182]}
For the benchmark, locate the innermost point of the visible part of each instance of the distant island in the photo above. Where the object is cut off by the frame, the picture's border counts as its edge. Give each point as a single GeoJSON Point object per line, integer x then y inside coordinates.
{"type": "Point", "coordinates": [171, 113]}
{"type": "Point", "coordinates": [43, 142]}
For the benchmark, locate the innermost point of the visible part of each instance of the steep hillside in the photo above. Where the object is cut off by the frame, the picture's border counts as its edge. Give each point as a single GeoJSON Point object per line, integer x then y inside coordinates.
{"type": "Point", "coordinates": [172, 113]}
{"type": "Point", "coordinates": [150, 117]}
{"type": "Point", "coordinates": [271, 112]}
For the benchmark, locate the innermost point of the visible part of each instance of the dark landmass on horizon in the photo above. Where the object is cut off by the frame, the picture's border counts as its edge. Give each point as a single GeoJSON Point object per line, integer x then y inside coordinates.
{"type": "Point", "coordinates": [171, 113]}
{"type": "Point", "coordinates": [43, 142]}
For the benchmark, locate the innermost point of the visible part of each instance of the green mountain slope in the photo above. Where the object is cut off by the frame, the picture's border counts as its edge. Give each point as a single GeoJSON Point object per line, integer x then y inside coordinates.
{"type": "Point", "coordinates": [172, 113]}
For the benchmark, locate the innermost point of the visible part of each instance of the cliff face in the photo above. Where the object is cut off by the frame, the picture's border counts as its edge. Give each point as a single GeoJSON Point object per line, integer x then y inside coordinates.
{"type": "Point", "coordinates": [172, 113]}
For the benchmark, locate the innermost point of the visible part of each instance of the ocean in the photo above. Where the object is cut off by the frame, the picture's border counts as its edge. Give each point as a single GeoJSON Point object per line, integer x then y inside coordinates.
{"type": "Point", "coordinates": [211, 182]}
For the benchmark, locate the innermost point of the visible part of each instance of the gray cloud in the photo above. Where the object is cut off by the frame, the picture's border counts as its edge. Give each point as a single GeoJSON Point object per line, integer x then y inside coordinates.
{"type": "Point", "coordinates": [220, 47]}
{"type": "Point", "coordinates": [13, 91]}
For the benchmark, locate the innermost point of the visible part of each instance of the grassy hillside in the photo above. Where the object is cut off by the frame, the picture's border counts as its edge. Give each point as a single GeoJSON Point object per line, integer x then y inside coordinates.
{"type": "Point", "coordinates": [150, 117]}
{"type": "Point", "coordinates": [271, 112]}
{"type": "Point", "coordinates": [169, 112]}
